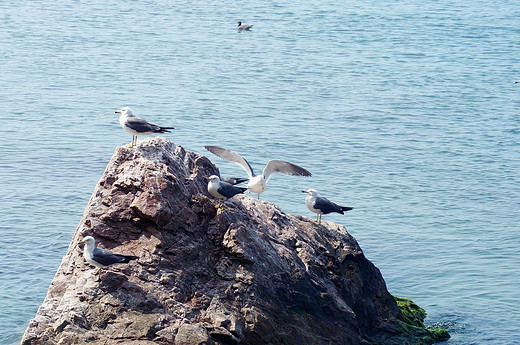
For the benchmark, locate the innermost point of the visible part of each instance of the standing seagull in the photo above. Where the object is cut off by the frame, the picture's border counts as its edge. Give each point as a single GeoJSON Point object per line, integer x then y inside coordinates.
{"type": "Point", "coordinates": [222, 190]}
{"type": "Point", "coordinates": [321, 205]}
{"type": "Point", "coordinates": [257, 183]}
{"type": "Point", "coordinates": [102, 257]}
{"type": "Point", "coordinates": [243, 27]}
{"type": "Point", "coordinates": [138, 126]}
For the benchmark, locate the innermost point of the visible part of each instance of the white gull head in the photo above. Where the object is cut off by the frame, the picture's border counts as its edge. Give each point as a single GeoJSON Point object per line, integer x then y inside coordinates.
{"type": "Point", "coordinates": [125, 111]}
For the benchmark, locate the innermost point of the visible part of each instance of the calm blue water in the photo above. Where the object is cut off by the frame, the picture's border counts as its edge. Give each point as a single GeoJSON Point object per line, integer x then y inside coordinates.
{"type": "Point", "coordinates": [406, 110]}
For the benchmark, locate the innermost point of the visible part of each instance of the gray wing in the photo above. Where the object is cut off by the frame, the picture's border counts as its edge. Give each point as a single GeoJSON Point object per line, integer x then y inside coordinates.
{"type": "Point", "coordinates": [141, 125]}
{"type": "Point", "coordinates": [234, 180]}
{"type": "Point", "coordinates": [283, 167]}
{"type": "Point", "coordinates": [228, 190]}
{"type": "Point", "coordinates": [106, 257]}
{"type": "Point", "coordinates": [232, 157]}
{"type": "Point", "coordinates": [326, 206]}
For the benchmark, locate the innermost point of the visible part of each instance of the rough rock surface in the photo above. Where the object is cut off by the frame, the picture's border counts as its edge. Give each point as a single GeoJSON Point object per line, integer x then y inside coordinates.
{"type": "Point", "coordinates": [247, 274]}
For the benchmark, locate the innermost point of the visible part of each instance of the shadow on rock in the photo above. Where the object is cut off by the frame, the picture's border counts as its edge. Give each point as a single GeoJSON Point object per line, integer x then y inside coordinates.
{"type": "Point", "coordinates": [130, 295]}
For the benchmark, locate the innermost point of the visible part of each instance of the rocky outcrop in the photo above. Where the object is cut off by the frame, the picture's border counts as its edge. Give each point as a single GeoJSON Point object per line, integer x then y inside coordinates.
{"type": "Point", "coordinates": [246, 273]}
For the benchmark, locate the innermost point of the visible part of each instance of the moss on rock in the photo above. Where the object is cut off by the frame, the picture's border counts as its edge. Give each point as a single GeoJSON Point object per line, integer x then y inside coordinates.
{"type": "Point", "coordinates": [411, 322]}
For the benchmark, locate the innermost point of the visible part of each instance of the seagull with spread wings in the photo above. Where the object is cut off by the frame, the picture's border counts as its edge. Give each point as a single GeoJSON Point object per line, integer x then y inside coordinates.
{"type": "Point", "coordinates": [257, 183]}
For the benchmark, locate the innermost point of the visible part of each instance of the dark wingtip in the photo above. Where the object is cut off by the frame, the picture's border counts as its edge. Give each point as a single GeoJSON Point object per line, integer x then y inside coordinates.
{"type": "Point", "coordinates": [130, 257]}
{"type": "Point", "coordinates": [234, 180]}
{"type": "Point", "coordinates": [164, 130]}
{"type": "Point", "coordinates": [305, 172]}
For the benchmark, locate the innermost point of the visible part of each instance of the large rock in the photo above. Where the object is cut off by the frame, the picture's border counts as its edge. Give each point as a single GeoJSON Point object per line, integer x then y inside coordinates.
{"type": "Point", "coordinates": [247, 274]}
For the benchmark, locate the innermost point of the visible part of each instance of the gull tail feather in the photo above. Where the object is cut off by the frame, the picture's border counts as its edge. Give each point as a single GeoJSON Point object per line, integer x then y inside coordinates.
{"type": "Point", "coordinates": [242, 189]}
{"type": "Point", "coordinates": [164, 129]}
{"type": "Point", "coordinates": [346, 208]}
{"type": "Point", "coordinates": [234, 180]}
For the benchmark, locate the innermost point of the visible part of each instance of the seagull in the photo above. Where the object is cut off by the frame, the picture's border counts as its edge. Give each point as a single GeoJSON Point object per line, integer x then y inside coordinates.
{"type": "Point", "coordinates": [138, 126]}
{"type": "Point", "coordinates": [99, 257]}
{"type": "Point", "coordinates": [257, 183]}
{"type": "Point", "coordinates": [321, 205]}
{"type": "Point", "coordinates": [243, 27]}
{"type": "Point", "coordinates": [222, 190]}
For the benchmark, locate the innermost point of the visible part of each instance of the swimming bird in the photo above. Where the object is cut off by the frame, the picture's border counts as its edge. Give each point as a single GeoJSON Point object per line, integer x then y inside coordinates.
{"type": "Point", "coordinates": [138, 126]}
{"type": "Point", "coordinates": [257, 183]}
{"type": "Point", "coordinates": [243, 27]}
{"type": "Point", "coordinates": [99, 257]}
{"type": "Point", "coordinates": [222, 190]}
{"type": "Point", "coordinates": [321, 205]}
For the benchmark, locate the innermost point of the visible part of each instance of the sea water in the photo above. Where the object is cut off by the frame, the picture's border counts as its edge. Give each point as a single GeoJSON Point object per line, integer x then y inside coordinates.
{"type": "Point", "coordinates": [405, 110]}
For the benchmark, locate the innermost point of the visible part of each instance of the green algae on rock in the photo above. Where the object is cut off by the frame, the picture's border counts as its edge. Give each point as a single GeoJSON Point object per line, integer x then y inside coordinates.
{"type": "Point", "coordinates": [411, 321]}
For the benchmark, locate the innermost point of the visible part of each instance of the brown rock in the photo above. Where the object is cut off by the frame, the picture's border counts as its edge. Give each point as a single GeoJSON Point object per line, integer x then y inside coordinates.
{"type": "Point", "coordinates": [190, 334]}
{"type": "Point", "coordinates": [249, 275]}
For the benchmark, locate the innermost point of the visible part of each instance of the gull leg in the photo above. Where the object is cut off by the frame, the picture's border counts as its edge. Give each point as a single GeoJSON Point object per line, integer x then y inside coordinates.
{"type": "Point", "coordinates": [132, 143]}
{"type": "Point", "coordinates": [320, 219]}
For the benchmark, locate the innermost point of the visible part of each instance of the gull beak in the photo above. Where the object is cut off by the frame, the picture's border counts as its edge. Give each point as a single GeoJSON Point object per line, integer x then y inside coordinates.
{"type": "Point", "coordinates": [206, 178]}
{"type": "Point", "coordinates": [81, 242]}
{"type": "Point", "coordinates": [118, 111]}
{"type": "Point", "coordinates": [304, 191]}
